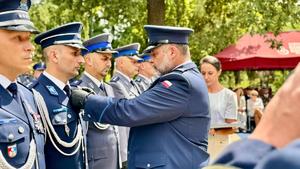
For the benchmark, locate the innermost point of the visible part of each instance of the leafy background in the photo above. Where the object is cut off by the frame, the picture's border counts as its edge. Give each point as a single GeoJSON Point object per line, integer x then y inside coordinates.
{"type": "Point", "coordinates": [216, 24]}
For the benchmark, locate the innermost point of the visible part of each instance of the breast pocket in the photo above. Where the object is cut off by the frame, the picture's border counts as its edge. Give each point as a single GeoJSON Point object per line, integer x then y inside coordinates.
{"type": "Point", "coordinates": [65, 123]}
{"type": "Point", "coordinates": [151, 160]}
{"type": "Point", "coordinates": [14, 141]}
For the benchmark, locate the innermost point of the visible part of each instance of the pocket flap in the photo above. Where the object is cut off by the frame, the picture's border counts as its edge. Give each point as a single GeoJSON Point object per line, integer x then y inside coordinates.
{"type": "Point", "coordinates": [12, 132]}
{"type": "Point", "coordinates": [63, 118]}
{"type": "Point", "coordinates": [150, 160]}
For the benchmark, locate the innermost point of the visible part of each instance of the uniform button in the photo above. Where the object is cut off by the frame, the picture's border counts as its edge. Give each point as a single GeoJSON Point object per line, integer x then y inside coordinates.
{"type": "Point", "coordinates": [10, 137]}
{"type": "Point", "coordinates": [89, 116]}
{"type": "Point", "coordinates": [21, 130]}
{"type": "Point", "coordinates": [69, 116]}
{"type": "Point", "coordinates": [148, 165]}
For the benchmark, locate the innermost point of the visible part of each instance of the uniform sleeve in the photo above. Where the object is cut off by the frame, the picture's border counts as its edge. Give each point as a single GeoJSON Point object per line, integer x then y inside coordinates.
{"type": "Point", "coordinates": [231, 107]}
{"type": "Point", "coordinates": [118, 93]}
{"type": "Point", "coordinates": [166, 101]}
{"type": "Point", "coordinates": [245, 154]}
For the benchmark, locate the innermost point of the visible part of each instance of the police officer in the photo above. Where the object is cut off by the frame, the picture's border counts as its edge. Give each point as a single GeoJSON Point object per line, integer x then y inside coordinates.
{"type": "Point", "coordinates": [21, 130]}
{"type": "Point", "coordinates": [102, 140]}
{"type": "Point", "coordinates": [62, 49]}
{"type": "Point", "coordinates": [126, 68]}
{"type": "Point", "coordinates": [170, 121]}
{"type": "Point", "coordinates": [147, 72]}
{"type": "Point", "coordinates": [124, 86]}
{"type": "Point", "coordinates": [38, 69]}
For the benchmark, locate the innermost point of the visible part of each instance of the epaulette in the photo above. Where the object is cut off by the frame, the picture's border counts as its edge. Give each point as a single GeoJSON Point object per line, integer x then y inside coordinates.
{"type": "Point", "coordinates": [115, 79]}
{"type": "Point", "coordinates": [138, 79]}
{"type": "Point", "coordinates": [32, 84]}
{"type": "Point", "coordinates": [20, 83]}
{"type": "Point", "coordinates": [75, 83]}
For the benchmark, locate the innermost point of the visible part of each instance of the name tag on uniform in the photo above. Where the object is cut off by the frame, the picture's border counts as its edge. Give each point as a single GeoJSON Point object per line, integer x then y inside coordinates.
{"type": "Point", "coordinates": [62, 109]}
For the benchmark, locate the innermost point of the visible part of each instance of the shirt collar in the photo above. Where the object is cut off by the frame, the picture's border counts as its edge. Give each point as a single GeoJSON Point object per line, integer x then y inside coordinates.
{"type": "Point", "coordinates": [93, 79]}
{"type": "Point", "coordinates": [57, 82]}
{"type": "Point", "coordinates": [146, 78]}
{"type": "Point", "coordinates": [126, 77]}
{"type": "Point", "coordinates": [4, 81]}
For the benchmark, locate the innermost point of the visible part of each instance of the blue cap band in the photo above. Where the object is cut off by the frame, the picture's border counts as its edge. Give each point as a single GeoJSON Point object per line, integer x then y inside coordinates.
{"type": "Point", "coordinates": [99, 46]}
{"type": "Point", "coordinates": [127, 53]}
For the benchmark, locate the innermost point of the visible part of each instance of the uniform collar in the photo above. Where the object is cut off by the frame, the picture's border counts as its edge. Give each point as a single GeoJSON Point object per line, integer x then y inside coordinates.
{"type": "Point", "coordinates": [57, 82]}
{"type": "Point", "coordinates": [93, 79]}
{"type": "Point", "coordinates": [4, 81]}
{"type": "Point", "coordinates": [144, 77]}
{"type": "Point", "coordinates": [122, 74]}
{"type": "Point", "coordinates": [184, 63]}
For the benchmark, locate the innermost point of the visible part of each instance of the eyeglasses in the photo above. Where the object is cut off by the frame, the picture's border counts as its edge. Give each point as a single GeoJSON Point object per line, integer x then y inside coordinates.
{"type": "Point", "coordinates": [254, 95]}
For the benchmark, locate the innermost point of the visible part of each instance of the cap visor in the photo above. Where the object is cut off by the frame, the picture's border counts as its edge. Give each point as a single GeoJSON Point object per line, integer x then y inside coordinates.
{"type": "Point", "coordinates": [135, 58]}
{"type": "Point", "coordinates": [76, 45]}
{"type": "Point", "coordinates": [106, 51]}
{"type": "Point", "coordinates": [151, 47]}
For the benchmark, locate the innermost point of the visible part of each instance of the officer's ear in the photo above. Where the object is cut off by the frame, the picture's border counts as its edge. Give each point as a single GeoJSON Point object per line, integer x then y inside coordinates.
{"type": "Point", "coordinates": [50, 54]}
{"type": "Point", "coordinates": [88, 59]}
{"type": "Point", "coordinates": [173, 51]}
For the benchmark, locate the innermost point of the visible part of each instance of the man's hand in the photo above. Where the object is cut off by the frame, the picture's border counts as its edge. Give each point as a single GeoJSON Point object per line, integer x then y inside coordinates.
{"type": "Point", "coordinates": [79, 97]}
{"type": "Point", "coordinates": [280, 123]}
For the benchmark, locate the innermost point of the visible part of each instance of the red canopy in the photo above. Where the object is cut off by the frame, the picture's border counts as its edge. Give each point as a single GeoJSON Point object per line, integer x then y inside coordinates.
{"type": "Point", "coordinates": [254, 52]}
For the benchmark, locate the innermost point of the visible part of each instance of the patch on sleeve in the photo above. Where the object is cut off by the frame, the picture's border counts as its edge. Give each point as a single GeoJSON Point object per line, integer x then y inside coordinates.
{"type": "Point", "coordinates": [166, 83]}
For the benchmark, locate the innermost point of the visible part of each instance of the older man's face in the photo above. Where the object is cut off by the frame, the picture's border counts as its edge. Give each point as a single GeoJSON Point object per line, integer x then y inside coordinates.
{"type": "Point", "coordinates": [161, 59]}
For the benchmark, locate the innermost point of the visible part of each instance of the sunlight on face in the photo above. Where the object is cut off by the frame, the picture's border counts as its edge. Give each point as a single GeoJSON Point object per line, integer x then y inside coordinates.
{"type": "Point", "coordinates": [210, 74]}
{"type": "Point", "coordinates": [16, 52]}
{"type": "Point", "coordinates": [101, 63]}
{"type": "Point", "coordinates": [70, 60]}
{"type": "Point", "coordinates": [161, 59]}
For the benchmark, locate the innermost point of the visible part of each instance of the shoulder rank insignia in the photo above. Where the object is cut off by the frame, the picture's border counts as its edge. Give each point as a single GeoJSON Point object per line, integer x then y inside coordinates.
{"type": "Point", "coordinates": [52, 90]}
{"type": "Point", "coordinates": [166, 83]}
{"type": "Point", "coordinates": [76, 83]}
{"type": "Point", "coordinates": [115, 79]}
{"type": "Point", "coordinates": [138, 79]}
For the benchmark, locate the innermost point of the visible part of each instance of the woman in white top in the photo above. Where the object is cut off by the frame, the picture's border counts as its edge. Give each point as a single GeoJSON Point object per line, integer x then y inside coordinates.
{"type": "Point", "coordinates": [223, 106]}
{"type": "Point", "coordinates": [254, 106]}
{"type": "Point", "coordinates": [223, 101]}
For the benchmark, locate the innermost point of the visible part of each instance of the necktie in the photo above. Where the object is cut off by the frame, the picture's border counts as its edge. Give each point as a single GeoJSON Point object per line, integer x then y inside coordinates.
{"type": "Point", "coordinates": [13, 89]}
{"type": "Point", "coordinates": [101, 87]}
{"type": "Point", "coordinates": [67, 90]}
{"type": "Point", "coordinates": [135, 86]}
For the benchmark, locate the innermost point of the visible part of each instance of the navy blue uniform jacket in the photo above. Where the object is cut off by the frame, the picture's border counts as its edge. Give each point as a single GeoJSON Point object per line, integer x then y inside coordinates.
{"type": "Point", "coordinates": [22, 125]}
{"type": "Point", "coordinates": [169, 122]}
{"type": "Point", "coordinates": [254, 154]}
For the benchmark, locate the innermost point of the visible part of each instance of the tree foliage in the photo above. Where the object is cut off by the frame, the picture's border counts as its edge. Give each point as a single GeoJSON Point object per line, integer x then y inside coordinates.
{"type": "Point", "coordinates": [216, 24]}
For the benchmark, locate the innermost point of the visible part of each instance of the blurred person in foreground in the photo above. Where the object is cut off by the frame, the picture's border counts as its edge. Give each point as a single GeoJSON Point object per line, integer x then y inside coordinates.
{"type": "Point", "coordinates": [275, 142]}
